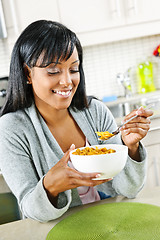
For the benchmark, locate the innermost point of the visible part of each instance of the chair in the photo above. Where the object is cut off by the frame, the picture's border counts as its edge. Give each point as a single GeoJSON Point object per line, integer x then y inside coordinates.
{"type": "Point", "coordinates": [9, 210]}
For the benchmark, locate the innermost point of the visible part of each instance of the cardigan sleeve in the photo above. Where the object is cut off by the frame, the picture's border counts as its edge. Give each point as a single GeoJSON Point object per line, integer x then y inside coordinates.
{"type": "Point", "coordinates": [21, 175]}
{"type": "Point", "coordinates": [132, 178]}
{"type": "Point", "coordinates": [36, 205]}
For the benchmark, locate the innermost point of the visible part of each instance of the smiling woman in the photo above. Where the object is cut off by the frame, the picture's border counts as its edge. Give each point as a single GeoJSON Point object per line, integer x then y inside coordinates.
{"type": "Point", "coordinates": [56, 84]}
{"type": "Point", "coordinates": [40, 52]}
{"type": "Point", "coordinates": [46, 115]}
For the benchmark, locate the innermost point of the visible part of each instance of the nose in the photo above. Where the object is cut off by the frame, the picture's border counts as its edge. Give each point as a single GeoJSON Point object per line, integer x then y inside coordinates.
{"type": "Point", "coordinates": [65, 79]}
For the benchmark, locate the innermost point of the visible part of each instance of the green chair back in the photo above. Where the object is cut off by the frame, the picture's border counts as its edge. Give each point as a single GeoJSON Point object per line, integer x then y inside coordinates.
{"type": "Point", "coordinates": [9, 210]}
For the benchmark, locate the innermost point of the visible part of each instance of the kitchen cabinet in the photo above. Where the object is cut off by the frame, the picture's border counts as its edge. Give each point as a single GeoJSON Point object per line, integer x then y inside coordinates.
{"type": "Point", "coordinates": [20, 13]}
{"type": "Point", "coordinates": [152, 144]}
{"type": "Point", "coordinates": [29, 11]}
{"type": "Point", "coordinates": [95, 22]}
{"type": "Point", "coordinates": [90, 15]}
{"type": "Point", "coordinates": [141, 11]}
{"type": "Point", "coordinates": [153, 172]}
{"type": "Point", "coordinates": [103, 21]}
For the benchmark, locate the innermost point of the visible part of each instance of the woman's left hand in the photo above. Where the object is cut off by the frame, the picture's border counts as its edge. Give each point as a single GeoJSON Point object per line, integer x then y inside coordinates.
{"type": "Point", "coordinates": [136, 130]}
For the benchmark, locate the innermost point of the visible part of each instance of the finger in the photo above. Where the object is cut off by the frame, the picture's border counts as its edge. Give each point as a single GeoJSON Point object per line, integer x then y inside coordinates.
{"type": "Point", "coordinates": [76, 179]}
{"type": "Point", "coordinates": [144, 126]}
{"type": "Point", "coordinates": [139, 120]}
{"type": "Point", "coordinates": [144, 112]}
{"type": "Point", "coordinates": [131, 114]}
{"type": "Point", "coordinates": [140, 131]}
{"type": "Point", "coordinates": [72, 147]}
{"type": "Point", "coordinates": [141, 112]}
{"type": "Point", "coordinates": [83, 181]}
{"type": "Point", "coordinates": [66, 156]}
{"type": "Point", "coordinates": [98, 182]}
{"type": "Point", "coordinates": [83, 176]}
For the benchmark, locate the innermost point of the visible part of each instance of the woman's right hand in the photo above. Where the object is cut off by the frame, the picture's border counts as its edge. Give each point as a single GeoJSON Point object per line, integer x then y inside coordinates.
{"type": "Point", "coordinates": [61, 177]}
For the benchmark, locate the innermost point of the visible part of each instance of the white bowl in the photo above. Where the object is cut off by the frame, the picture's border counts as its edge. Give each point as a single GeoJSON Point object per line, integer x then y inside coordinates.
{"type": "Point", "coordinates": [108, 165]}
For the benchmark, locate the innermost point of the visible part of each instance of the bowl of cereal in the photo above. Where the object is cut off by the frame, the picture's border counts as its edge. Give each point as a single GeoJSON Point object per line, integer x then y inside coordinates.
{"type": "Point", "coordinates": [107, 159]}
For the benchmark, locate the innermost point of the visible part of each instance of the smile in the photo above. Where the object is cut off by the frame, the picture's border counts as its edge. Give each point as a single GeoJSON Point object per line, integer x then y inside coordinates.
{"type": "Point", "coordinates": [63, 93]}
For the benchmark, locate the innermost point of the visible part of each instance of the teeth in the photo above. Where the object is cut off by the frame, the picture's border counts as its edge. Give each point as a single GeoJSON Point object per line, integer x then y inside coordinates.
{"type": "Point", "coordinates": [62, 93]}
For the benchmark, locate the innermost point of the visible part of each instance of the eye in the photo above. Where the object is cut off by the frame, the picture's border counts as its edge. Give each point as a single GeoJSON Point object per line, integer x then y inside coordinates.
{"type": "Point", "coordinates": [74, 70]}
{"type": "Point", "coordinates": [53, 71]}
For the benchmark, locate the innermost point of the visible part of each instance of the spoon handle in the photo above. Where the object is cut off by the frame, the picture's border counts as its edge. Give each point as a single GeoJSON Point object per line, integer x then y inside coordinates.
{"type": "Point", "coordinates": [130, 119]}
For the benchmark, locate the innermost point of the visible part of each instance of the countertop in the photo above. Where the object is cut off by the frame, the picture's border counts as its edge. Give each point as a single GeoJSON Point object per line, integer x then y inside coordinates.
{"type": "Point", "coordinates": [32, 230]}
{"type": "Point", "coordinates": [139, 99]}
{"type": "Point", "coordinates": [155, 120]}
{"type": "Point", "coordinates": [135, 98]}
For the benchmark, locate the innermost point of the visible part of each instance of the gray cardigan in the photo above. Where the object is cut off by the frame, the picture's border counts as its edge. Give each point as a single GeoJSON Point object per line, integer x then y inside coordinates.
{"type": "Point", "coordinates": [28, 150]}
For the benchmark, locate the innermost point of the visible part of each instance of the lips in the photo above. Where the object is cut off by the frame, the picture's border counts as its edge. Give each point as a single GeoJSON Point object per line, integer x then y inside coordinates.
{"type": "Point", "coordinates": [65, 93]}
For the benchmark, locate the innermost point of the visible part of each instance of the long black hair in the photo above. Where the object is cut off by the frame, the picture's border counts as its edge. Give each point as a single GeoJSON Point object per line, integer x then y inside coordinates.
{"type": "Point", "coordinates": [55, 41]}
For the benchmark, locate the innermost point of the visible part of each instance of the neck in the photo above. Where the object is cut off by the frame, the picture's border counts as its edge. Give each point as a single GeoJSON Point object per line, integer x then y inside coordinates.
{"type": "Point", "coordinates": [53, 117]}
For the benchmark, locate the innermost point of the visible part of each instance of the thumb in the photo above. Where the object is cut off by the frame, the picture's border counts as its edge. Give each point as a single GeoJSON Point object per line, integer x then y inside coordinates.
{"type": "Point", "coordinates": [72, 147]}
{"type": "Point", "coordinates": [66, 156]}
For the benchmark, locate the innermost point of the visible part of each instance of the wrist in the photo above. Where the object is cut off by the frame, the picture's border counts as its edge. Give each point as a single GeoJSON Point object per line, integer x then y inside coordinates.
{"type": "Point", "coordinates": [51, 194]}
{"type": "Point", "coordinates": [133, 148]}
{"type": "Point", "coordinates": [133, 152]}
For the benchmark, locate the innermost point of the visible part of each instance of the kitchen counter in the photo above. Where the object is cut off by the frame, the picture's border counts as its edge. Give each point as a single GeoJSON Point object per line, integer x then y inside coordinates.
{"type": "Point", "coordinates": [155, 120]}
{"type": "Point", "coordinates": [32, 230]}
{"type": "Point", "coordinates": [133, 102]}
{"type": "Point", "coordinates": [135, 98]}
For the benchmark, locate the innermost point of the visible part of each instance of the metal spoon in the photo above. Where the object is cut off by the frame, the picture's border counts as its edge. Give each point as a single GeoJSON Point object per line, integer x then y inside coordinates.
{"type": "Point", "coordinates": [130, 119]}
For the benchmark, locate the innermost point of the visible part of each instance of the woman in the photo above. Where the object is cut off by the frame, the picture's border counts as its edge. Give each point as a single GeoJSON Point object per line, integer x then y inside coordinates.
{"type": "Point", "coordinates": [46, 115]}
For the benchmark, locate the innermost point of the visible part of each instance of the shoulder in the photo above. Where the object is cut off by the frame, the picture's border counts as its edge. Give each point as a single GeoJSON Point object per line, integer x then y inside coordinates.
{"type": "Point", "coordinates": [96, 103]}
{"type": "Point", "coordinates": [13, 121]}
{"type": "Point", "coordinates": [99, 114]}
{"type": "Point", "coordinates": [98, 107]}
{"type": "Point", "coordinates": [11, 118]}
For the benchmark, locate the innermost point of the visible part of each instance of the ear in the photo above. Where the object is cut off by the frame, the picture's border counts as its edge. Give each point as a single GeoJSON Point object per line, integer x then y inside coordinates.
{"type": "Point", "coordinates": [27, 71]}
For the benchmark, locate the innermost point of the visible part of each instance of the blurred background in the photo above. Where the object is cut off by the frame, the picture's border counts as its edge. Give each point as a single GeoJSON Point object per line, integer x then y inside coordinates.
{"type": "Point", "coordinates": [116, 35]}
{"type": "Point", "coordinates": [121, 41]}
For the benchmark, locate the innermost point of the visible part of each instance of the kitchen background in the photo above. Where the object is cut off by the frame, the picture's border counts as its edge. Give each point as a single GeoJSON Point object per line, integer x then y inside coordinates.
{"type": "Point", "coordinates": [116, 35]}
{"type": "Point", "coordinates": [105, 56]}
{"type": "Point", "coordinates": [104, 61]}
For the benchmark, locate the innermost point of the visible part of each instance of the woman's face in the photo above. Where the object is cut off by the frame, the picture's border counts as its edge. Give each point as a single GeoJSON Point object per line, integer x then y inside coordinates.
{"type": "Point", "coordinates": [55, 85]}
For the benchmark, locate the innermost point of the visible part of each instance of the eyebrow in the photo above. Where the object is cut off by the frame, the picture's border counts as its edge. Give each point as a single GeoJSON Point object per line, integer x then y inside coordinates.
{"type": "Point", "coordinates": [71, 63]}
{"type": "Point", "coordinates": [76, 61]}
